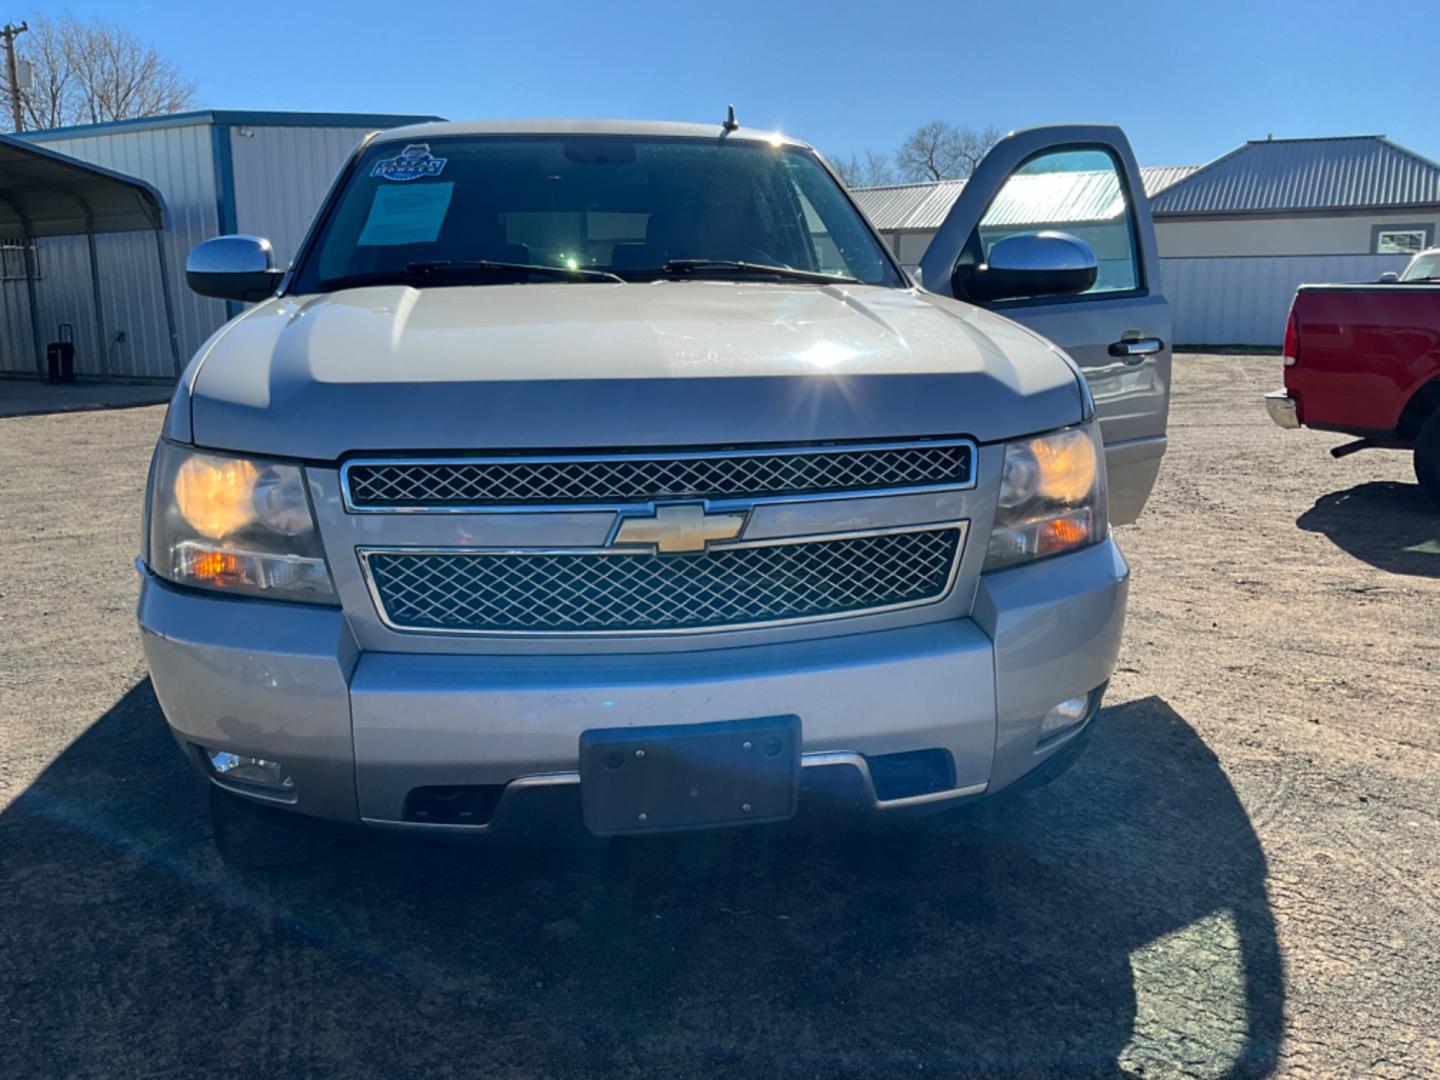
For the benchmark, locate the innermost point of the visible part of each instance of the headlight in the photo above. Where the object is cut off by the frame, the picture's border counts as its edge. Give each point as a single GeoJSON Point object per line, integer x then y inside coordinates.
{"type": "Point", "coordinates": [1052, 497]}
{"type": "Point", "coordinates": [235, 524]}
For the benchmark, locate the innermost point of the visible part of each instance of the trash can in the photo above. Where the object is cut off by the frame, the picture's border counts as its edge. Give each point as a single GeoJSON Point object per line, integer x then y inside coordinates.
{"type": "Point", "coordinates": [60, 355]}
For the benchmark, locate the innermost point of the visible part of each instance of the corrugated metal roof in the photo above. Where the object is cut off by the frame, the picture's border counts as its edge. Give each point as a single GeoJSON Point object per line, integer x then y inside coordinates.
{"type": "Point", "coordinates": [908, 206]}
{"type": "Point", "coordinates": [1277, 175]}
{"type": "Point", "coordinates": [1057, 198]}
{"type": "Point", "coordinates": [1084, 196]}
{"type": "Point", "coordinates": [1157, 178]}
{"type": "Point", "coordinates": [45, 193]}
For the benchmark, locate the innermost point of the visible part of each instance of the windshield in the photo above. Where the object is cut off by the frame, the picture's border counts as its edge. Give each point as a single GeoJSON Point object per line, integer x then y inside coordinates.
{"type": "Point", "coordinates": [482, 208]}
{"type": "Point", "coordinates": [1422, 267]}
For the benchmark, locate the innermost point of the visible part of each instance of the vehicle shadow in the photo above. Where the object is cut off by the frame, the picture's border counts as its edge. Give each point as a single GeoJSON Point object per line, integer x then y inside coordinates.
{"type": "Point", "coordinates": [1391, 526]}
{"type": "Point", "coordinates": [1113, 923]}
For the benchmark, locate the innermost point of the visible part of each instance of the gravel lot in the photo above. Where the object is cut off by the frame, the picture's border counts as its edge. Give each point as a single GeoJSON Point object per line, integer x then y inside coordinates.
{"type": "Point", "coordinates": [1240, 877]}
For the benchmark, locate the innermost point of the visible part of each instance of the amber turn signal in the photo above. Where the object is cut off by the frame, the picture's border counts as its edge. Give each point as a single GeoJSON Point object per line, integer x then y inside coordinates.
{"type": "Point", "coordinates": [1063, 533]}
{"type": "Point", "coordinates": [215, 566]}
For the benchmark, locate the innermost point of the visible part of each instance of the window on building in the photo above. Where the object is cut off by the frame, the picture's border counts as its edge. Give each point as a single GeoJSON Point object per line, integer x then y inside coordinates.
{"type": "Point", "coordinates": [12, 259]}
{"type": "Point", "coordinates": [1399, 241]}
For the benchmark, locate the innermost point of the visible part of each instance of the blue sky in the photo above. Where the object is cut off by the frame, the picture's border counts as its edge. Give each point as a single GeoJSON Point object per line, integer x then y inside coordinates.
{"type": "Point", "coordinates": [1188, 81]}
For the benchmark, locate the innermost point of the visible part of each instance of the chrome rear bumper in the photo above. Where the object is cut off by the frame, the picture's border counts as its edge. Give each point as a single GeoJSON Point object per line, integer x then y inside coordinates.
{"type": "Point", "coordinates": [1281, 407]}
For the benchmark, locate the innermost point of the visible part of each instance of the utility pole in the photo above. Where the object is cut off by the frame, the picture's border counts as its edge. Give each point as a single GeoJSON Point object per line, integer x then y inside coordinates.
{"type": "Point", "coordinates": [10, 33]}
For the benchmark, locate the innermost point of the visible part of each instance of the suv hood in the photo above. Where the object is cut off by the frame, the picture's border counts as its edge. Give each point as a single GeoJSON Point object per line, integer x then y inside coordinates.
{"type": "Point", "coordinates": [569, 366]}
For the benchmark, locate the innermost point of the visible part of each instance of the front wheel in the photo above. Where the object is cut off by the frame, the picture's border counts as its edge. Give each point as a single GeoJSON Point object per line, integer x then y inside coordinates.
{"type": "Point", "coordinates": [1427, 458]}
{"type": "Point", "coordinates": [251, 836]}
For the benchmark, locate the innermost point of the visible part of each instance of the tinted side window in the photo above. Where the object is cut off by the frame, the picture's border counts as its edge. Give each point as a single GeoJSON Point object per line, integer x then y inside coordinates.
{"type": "Point", "coordinates": [1075, 191]}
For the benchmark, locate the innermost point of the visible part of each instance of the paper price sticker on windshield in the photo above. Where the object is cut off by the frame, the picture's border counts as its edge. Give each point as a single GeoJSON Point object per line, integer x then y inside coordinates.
{"type": "Point", "coordinates": [406, 215]}
{"type": "Point", "coordinates": [413, 163]}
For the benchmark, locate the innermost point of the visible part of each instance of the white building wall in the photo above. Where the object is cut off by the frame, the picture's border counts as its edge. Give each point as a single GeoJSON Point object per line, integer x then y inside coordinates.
{"type": "Point", "coordinates": [1348, 234]}
{"type": "Point", "coordinates": [908, 247]}
{"type": "Point", "coordinates": [1244, 301]}
{"type": "Point", "coordinates": [281, 176]}
{"type": "Point", "coordinates": [178, 161]}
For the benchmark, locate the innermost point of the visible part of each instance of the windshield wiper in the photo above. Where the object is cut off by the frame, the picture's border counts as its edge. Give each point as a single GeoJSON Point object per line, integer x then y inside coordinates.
{"type": "Point", "coordinates": [466, 268]}
{"type": "Point", "coordinates": [484, 266]}
{"type": "Point", "coordinates": [690, 267]}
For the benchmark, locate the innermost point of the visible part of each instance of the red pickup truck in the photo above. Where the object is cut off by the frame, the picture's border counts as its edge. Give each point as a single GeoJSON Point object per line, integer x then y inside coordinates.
{"type": "Point", "coordinates": [1365, 360]}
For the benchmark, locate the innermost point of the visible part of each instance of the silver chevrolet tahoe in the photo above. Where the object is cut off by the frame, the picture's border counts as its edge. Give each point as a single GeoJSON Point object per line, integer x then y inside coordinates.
{"type": "Point", "coordinates": [605, 478]}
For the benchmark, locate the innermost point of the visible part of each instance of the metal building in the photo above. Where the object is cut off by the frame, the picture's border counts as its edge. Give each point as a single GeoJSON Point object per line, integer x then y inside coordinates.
{"type": "Point", "coordinates": [216, 172]}
{"type": "Point", "coordinates": [1239, 234]}
{"type": "Point", "coordinates": [45, 195]}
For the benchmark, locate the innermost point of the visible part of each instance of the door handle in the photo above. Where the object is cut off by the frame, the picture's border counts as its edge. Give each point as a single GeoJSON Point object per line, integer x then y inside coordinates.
{"type": "Point", "coordinates": [1135, 350]}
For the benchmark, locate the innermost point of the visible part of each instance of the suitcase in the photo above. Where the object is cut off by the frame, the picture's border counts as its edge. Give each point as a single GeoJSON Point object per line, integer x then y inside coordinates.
{"type": "Point", "coordinates": [60, 355]}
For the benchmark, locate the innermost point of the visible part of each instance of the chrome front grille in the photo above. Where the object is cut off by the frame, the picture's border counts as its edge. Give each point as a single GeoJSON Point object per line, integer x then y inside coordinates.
{"type": "Point", "coordinates": [455, 484]}
{"type": "Point", "coordinates": [610, 591]}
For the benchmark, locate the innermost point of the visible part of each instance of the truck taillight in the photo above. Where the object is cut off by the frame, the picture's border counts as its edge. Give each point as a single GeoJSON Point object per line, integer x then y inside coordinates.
{"type": "Point", "coordinates": [1292, 339]}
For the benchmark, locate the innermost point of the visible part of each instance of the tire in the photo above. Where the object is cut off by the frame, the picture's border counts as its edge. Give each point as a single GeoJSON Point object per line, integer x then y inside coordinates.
{"type": "Point", "coordinates": [1427, 457]}
{"type": "Point", "coordinates": [251, 836]}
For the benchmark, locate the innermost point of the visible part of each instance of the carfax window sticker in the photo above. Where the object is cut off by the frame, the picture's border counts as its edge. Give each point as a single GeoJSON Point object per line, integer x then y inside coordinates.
{"type": "Point", "coordinates": [415, 162]}
{"type": "Point", "coordinates": [406, 215]}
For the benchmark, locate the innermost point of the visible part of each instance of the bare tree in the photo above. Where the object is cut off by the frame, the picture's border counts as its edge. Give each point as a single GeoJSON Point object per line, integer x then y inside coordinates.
{"type": "Point", "coordinates": [849, 169]}
{"type": "Point", "coordinates": [941, 151]}
{"type": "Point", "coordinates": [974, 145]}
{"type": "Point", "coordinates": [930, 153]}
{"type": "Point", "coordinates": [91, 72]}
{"type": "Point", "coordinates": [878, 169]}
{"type": "Point", "coordinates": [45, 103]}
{"type": "Point", "coordinates": [870, 170]}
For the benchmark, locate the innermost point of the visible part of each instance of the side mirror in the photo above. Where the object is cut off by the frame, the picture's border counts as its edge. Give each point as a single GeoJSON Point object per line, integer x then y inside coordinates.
{"type": "Point", "coordinates": [1389, 277]}
{"type": "Point", "coordinates": [1030, 264]}
{"type": "Point", "coordinates": [233, 268]}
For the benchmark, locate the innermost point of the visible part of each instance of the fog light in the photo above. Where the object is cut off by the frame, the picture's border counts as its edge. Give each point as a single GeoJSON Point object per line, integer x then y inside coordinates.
{"type": "Point", "coordinates": [1065, 715]}
{"type": "Point", "coordinates": [239, 769]}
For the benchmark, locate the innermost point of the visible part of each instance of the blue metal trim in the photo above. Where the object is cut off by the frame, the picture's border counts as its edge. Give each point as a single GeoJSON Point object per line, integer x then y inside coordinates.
{"type": "Point", "coordinates": [185, 119]}
{"type": "Point", "coordinates": [259, 118]}
{"type": "Point", "coordinates": [320, 119]}
{"type": "Point", "coordinates": [226, 216]}
{"type": "Point", "coordinates": [224, 163]}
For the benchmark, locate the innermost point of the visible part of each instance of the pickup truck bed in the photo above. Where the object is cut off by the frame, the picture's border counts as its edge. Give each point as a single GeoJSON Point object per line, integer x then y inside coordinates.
{"type": "Point", "coordinates": [1365, 360]}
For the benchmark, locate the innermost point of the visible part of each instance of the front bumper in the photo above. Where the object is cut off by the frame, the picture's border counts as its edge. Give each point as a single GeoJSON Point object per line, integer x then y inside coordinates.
{"type": "Point", "coordinates": [358, 730]}
{"type": "Point", "coordinates": [1282, 409]}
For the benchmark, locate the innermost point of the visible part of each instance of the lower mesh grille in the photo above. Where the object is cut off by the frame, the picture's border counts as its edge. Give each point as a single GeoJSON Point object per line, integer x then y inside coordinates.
{"type": "Point", "coordinates": [587, 592]}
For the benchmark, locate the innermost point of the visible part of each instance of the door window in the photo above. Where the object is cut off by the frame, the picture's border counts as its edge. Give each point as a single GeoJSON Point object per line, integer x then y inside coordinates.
{"type": "Point", "coordinates": [1075, 191]}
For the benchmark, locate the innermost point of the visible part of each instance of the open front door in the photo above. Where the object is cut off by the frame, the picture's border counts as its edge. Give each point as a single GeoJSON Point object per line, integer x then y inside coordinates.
{"type": "Point", "coordinates": [1079, 179]}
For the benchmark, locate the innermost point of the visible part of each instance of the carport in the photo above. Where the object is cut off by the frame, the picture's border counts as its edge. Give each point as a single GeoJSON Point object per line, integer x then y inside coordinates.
{"type": "Point", "coordinates": [45, 194]}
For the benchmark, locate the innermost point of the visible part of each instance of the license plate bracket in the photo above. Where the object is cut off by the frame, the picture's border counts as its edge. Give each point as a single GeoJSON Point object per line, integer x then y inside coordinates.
{"type": "Point", "coordinates": [689, 776]}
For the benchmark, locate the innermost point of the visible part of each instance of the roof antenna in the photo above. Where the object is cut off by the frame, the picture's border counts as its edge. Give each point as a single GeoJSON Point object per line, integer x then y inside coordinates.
{"type": "Point", "coordinates": [730, 124]}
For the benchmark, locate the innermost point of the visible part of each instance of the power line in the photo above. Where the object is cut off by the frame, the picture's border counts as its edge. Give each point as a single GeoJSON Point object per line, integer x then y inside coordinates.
{"type": "Point", "coordinates": [10, 33]}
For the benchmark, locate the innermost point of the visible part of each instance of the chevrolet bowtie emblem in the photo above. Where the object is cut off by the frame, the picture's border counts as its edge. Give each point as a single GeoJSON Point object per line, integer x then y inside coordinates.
{"type": "Point", "coordinates": [673, 529]}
